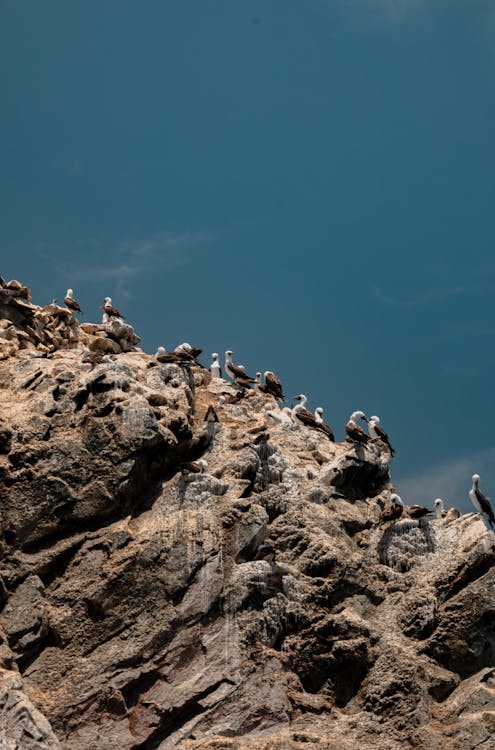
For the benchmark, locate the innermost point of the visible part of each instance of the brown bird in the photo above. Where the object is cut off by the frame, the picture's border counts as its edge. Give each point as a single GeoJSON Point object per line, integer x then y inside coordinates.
{"type": "Point", "coordinates": [301, 415]}
{"type": "Point", "coordinates": [109, 310]}
{"type": "Point", "coordinates": [236, 372]}
{"type": "Point", "coordinates": [395, 511]}
{"type": "Point", "coordinates": [71, 303]}
{"type": "Point", "coordinates": [194, 467]}
{"type": "Point", "coordinates": [273, 386]}
{"type": "Point", "coordinates": [417, 512]}
{"type": "Point", "coordinates": [480, 501]}
{"type": "Point", "coordinates": [378, 432]}
{"type": "Point", "coordinates": [211, 415]}
{"type": "Point", "coordinates": [355, 432]}
{"type": "Point", "coordinates": [164, 357]}
{"type": "Point", "coordinates": [193, 351]}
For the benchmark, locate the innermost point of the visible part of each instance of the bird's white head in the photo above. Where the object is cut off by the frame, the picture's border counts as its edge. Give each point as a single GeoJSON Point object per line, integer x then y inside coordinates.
{"type": "Point", "coordinates": [203, 463]}
{"type": "Point", "coordinates": [161, 350]}
{"type": "Point", "coordinates": [475, 478]}
{"type": "Point", "coordinates": [187, 347]}
{"type": "Point", "coordinates": [69, 293]}
{"type": "Point", "coordinates": [396, 499]}
{"type": "Point", "coordinates": [439, 503]}
{"type": "Point", "coordinates": [214, 355]}
{"type": "Point", "coordinates": [258, 377]}
{"type": "Point", "coordinates": [301, 398]}
{"type": "Point", "coordinates": [319, 410]}
{"type": "Point", "coordinates": [357, 415]}
{"type": "Point", "coordinates": [228, 353]}
{"type": "Point", "coordinates": [107, 301]}
{"type": "Point", "coordinates": [375, 419]}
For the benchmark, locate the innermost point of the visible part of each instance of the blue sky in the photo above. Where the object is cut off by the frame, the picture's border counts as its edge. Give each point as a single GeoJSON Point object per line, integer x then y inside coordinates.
{"type": "Point", "coordinates": [310, 183]}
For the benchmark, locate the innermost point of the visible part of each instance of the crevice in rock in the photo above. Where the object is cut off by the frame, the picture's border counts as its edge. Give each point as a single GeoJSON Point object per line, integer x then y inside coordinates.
{"type": "Point", "coordinates": [173, 720]}
{"type": "Point", "coordinates": [361, 480]}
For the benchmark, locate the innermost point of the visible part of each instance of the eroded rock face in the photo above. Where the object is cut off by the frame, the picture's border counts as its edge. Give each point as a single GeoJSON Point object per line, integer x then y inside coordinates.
{"type": "Point", "coordinates": [257, 605]}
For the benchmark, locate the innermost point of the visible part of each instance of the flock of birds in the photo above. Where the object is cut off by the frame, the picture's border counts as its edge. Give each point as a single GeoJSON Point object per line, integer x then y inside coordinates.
{"type": "Point", "coordinates": [186, 355]}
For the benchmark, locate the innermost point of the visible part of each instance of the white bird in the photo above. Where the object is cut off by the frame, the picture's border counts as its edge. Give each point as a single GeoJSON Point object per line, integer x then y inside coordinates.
{"type": "Point", "coordinates": [395, 511]}
{"type": "Point", "coordinates": [109, 311]}
{"type": "Point", "coordinates": [440, 511]}
{"type": "Point", "coordinates": [284, 416]}
{"type": "Point", "coordinates": [319, 414]}
{"type": "Point", "coordinates": [354, 431]}
{"type": "Point", "coordinates": [236, 372]}
{"type": "Point", "coordinates": [71, 303]}
{"type": "Point", "coordinates": [215, 369]}
{"type": "Point", "coordinates": [256, 385]}
{"type": "Point", "coordinates": [480, 501]}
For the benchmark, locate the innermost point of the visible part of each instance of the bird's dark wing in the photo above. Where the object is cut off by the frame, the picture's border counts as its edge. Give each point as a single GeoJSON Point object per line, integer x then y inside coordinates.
{"type": "Point", "coordinates": [382, 435]}
{"type": "Point", "coordinates": [485, 507]}
{"type": "Point", "coordinates": [274, 385]}
{"type": "Point", "coordinates": [112, 311]}
{"type": "Point", "coordinates": [306, 417]}
{"type": "Point", "coordinates": [418, 511]}
{"type": "Point", "coordinates": [211, 415]}
{"type": "Point", "coordinates": [72, 304]}
{"type": "Point", "coordinates": [239, 374]}
{"type": "Point", "coordinates": [356, 433]}
{"type": "Point", "coordinates": [324, 427]}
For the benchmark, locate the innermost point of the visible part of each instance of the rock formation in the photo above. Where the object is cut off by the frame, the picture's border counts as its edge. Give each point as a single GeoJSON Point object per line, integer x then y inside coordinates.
{"type": "Point", "coordinates": [257, 605]}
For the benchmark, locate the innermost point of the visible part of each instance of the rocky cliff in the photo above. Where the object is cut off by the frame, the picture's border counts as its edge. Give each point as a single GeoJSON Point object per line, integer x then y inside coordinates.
{"type": "Point", "coordinates": [257, 605]}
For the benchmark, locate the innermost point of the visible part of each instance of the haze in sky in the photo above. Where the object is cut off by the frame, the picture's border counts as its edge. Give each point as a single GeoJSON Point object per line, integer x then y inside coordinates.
{"type": "Point", "coordinates": [310, 184]}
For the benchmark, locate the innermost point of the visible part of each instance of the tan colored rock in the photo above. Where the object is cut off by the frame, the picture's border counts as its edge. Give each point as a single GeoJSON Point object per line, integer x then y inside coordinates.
{"type": "Point", "coordinates": [257, 605]}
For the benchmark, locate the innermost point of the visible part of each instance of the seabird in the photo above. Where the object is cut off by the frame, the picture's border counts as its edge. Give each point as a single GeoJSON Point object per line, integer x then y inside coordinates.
{"type": "Point", "coordinates": [71, 303]}
{"type": "Point", "coordinates": [284, 416]}
{"type": "Point", "coordinates": [236, 372]}
{"type": "Point", "coordinates": [355, 432]}
{"type": "Point", "coordinates": [303, 416]}
{"type": "Point", "coordinates": [378, 432]}
{"type": "Point", "coordinates": [215, 369]}
{"type": "Point", "coordinates": [395, 511]}
{"type": "Point", "coordinates": [440, 511]}
{"type": "Point", "coordinates": [480, 502]}
{"type": "Point", "coordinates": [417, 512]}
{"type": "Point", "coordinates": [258, 385]}
{"type": "Point", "coordinates": [194, 467]}
{"type": "Point", "coordinates": [164, 357]}
{"type": "Point", "coordinates": [273, 386]}
{"type": "Point", "coordinates": [211, 415]}
{"type": "Point", "coordinates": [185, 347]}
{"type": "Point", "coordinates": [109, 311]}
{"type": "Point", "coordinates": [94, 358]}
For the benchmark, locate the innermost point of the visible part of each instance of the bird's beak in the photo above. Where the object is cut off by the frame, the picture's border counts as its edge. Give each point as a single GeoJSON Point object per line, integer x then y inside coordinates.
{"type": "Point", "coordinates": [365, 419]}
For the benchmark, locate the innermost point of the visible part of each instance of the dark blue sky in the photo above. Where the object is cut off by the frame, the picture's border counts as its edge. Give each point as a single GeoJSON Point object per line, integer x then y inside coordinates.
{"type": "Point", "coordinates": [309, 183]}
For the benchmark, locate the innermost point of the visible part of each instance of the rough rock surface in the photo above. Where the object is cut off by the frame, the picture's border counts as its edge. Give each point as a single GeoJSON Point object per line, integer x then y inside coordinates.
{"type": "Point", "coordinates": [259, 605]}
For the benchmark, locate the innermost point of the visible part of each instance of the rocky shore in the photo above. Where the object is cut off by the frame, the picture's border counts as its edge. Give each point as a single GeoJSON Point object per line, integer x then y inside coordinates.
{"type": "Point", "coordinates": [257, 605]}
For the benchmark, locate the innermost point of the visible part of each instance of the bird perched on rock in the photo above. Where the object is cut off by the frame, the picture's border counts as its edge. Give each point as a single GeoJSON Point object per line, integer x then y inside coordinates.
{"type": "Point", "coordinates": [395, 511]}
{"type": "Point", "coordinates": [303, 416]}
{"type": "Point", "coordinates": [273, 386]}
{"type": "Point", "coordinates": [94, 358]}
{"type": "Point", "coordinates": [284, 416]}
{"type": "Point", "coordinates": [417, 512]}
{"type": "Point", "coordinates": [211, 415]}
{"type": "Point", "coordinates": [440, 511]}
{"type": "Point", "coordinates": [193, 351]}
{"type": "Point", "coordinates": [71, 303]}
{"type": "Point", "coordinates": [215, 369]}
{"type": "Point", "coordinates": [481, 502]}
{"type": "Point", "coordinates": [110, 312]}
{"type": "Point", "coordinates": [378, 432]}
{"type": "Point", "coordinates": [194, 467]}
{"type": "Point", "coordinates": [236, 372]}
{"type": "Point", "coordinates": [354, 431]}
{"type": "Point", "coordinates": [322, 425]}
